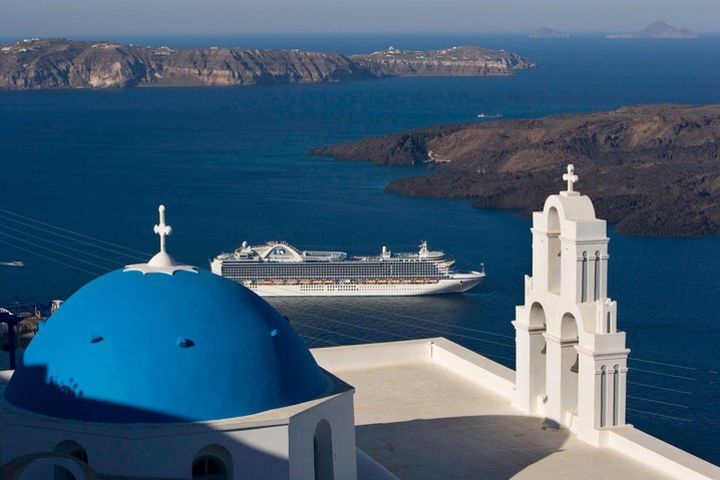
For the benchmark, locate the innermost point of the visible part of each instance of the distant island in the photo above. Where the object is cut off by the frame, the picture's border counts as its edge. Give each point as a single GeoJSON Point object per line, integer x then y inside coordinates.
{"type": "Point", "coordinates": [42, 64]}
{"type": "Point", "coordinates": [651, 170]}
{"type": "Point", "coordinates": [544, 32]}
{"type": "Point", "coordinates": [657, 30]}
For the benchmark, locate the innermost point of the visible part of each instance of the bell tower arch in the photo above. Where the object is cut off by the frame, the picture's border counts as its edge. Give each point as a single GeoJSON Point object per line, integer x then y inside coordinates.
{"type": "Point", "coordinates": [572, 366]}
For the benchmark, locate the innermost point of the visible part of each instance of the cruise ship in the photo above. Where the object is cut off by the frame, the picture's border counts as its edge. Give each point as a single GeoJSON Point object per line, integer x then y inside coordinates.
{"type": "Point", "coordinates": [277, 269]}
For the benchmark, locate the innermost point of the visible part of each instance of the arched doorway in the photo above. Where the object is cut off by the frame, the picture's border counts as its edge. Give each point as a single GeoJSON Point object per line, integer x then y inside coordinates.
{"type": "Point", "coordinates": [62, 473]}
{"type": "Point", "coordinates": [212, 463]}
{"type": "Point", "coordinates": [323, 452]}
{"type": "Point", "coordinates": [72, 449]}
{"type": "Point", "coordinates": [48, 466]}
{"type": "Point", "coordinates": [554, 252]}
{"type": "Point", "coordinates": [570, 365]}
{"type": "Point", "coordinates": [538, 356]}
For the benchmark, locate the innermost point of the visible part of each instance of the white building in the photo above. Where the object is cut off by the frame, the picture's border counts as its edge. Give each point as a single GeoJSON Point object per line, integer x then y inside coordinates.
{"type": "Point", "coordinates": [571, 359]}
{"type": "Point", "coordinates": [120, 384]}
{"type": "Point", "coordinates": [161, 370]}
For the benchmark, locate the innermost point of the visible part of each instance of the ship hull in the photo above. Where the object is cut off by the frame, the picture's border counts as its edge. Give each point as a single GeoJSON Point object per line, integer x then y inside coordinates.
{"type": "Point", "coordinates": [442, 286]}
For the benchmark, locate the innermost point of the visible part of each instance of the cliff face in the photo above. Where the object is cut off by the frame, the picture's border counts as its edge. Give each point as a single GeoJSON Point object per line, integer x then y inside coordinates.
{"type": "Point", "coordinates": [40, 64]}
{"type": "Point", "coordinates": [455, 61]}
{"type": "Point", "coordinates": [651, 170]}
{"type": "Point", "coordinates": [61, 63]}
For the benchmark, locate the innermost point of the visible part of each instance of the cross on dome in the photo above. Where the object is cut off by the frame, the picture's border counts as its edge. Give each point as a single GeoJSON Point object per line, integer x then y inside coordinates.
{"type": "Point", "coordinates": [570, 178]}
{"type": "Point", "coordinates": [162, 228]}
{"type": "Point", "coordinates": [162, 262]}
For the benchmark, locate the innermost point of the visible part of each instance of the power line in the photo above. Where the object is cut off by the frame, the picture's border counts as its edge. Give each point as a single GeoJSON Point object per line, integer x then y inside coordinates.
{"type": "Point", "coordinates": [364, 340]}
{"type": "Point", "coordinates": [677, 405]}
{"type": "Point", "coordinates": [374, 330]}
{"type": "Point", "coordinates": [83, 252]}
{"type": "Point", "coordinates": [659, 388]}
{"type": "Point", "coordinates": [664, 374]}
{"type": "Point", "coordinates": [7, 212]}
{"type": "Point", "coordinates": [476, 330]}
{"type": "Point", "coordinates": [658, 415]}
{"type": "Point", "coordinates": [318, 339]}
{"type": "Point", "coordinates": [51, 259]}
{"type": "Point", "coordinates": [436, 331]}
{"type": "Point", "coordinates": [55, 252]}
{"type": "Point", "coordinates": [70, 238]}
{"type": "Point", "coordinates": [663, 363]}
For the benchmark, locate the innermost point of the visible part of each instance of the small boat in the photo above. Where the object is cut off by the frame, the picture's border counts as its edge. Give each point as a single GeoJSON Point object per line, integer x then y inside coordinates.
{"type": "Point", "coordinates": [13, 263]}
{"type": "Point", "coordinates": [484, 115]}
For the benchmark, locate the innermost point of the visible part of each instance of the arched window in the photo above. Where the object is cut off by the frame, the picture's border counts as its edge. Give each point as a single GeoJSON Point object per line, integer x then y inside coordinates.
{"type": "Point", "coordinates": [538, 354]}
{"type": "Point", "coordinates": [212, 463]}
{"type": "Point", "coordinates": [570, 366]}
{"type": "Point", "coordinates": [72, 449]}
{"type": "Point", "coordinates": [609, 322]}
{"type": "Point", "coordinates": [208, 467]}
{"type": "Point", "coordinates": [62, 473]}
{"type": "Point", "coordinates": [554, 251]}
{"type": "Point", "coordinates": [616, 393]}
{"type": "Point", "coordinates": [323, 452]}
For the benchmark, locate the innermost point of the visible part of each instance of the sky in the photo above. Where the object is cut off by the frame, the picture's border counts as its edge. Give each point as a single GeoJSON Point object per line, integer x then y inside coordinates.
{"type": "Point", "coordinates": [82, 18]}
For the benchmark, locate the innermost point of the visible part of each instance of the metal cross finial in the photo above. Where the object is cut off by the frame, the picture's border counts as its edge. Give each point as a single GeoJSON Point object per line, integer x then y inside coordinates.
{"type": "Point", "coordinates": [570, 177]}
{"type": "Point", "coordinates": [161, 262]}
{"type": "Point", "coordinates": [162, 228]}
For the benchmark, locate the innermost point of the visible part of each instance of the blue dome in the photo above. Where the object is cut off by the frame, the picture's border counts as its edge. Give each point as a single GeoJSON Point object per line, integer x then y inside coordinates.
{"type": "Point", "coordinates": [134, 348]}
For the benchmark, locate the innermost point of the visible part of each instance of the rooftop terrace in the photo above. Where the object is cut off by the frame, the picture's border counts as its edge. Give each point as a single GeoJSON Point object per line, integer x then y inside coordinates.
{"type": "Point", "coordinates": [431, 409]}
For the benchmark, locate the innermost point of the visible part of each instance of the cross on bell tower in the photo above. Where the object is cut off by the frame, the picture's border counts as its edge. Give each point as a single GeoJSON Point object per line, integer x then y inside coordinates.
{"type": "Point", "coordinates": [571, 180]}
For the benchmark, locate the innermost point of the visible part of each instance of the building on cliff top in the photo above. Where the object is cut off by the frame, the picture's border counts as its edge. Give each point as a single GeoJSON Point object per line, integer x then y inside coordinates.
{"type": "Point", "coordinates": [189, 375]}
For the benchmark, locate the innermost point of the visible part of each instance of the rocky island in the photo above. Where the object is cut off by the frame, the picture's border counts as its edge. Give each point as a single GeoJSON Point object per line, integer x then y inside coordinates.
{"type": "Point", "coordinates": [40, 64]}
{"type": "Point", "coordinates": [655, 169]}
{"type": "Point", "coordinates": [544, 32]}
{"type": "Point", "coordinates": [657, 29]}
{"type": "Point", "coordinates": [448, 62]}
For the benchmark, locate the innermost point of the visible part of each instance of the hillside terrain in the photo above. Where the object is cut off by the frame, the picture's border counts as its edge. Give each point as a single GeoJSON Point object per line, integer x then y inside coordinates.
{"type": "Point", "coordinates": [449, 62]}
{"type": "Point", "coordinates": [651, 170]}
{"type": "Point", "coordinates": [41, 64]}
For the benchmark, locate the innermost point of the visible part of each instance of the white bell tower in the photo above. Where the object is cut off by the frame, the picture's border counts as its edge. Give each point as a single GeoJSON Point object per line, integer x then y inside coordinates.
{"type": "Point", "coordinates": [571, 361]}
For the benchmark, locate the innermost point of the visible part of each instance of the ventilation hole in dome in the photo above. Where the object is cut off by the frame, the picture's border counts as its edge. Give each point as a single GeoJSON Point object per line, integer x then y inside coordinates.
{"type": "Point", "coordinates": [96, 339]}
{"type": "Point", "coordinates": [185, 343]}
{"type": "Point", "coordinates": [274, 332]}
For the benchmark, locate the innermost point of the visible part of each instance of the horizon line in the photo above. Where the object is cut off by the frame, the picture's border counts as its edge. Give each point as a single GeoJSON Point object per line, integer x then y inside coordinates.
{"type": "Point", "coordinates": [84, 36]}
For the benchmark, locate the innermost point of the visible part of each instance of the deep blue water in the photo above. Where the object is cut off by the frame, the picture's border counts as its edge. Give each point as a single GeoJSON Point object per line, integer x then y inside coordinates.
{"type": "Point", "coordinates": [230, 165]}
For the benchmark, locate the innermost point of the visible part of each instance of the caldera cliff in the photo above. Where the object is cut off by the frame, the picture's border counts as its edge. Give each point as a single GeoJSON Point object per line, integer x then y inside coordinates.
{"type": "Point", "coordinates": [41, 64]}
{"type": "Point", "coordinates": [651, 170]}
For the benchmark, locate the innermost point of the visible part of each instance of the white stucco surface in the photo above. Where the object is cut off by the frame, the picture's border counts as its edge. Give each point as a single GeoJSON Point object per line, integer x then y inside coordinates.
{"type": "Point", "coordinates": [426, 417]}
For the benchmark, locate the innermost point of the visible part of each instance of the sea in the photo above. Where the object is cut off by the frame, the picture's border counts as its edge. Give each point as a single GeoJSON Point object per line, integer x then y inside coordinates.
{"type": "Point", "coordinates": [83, 171]}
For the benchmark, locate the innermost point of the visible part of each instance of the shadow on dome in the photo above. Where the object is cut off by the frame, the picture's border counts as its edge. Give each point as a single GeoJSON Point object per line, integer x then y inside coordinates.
{"type": "Point", "coordinates": [66, 401]}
